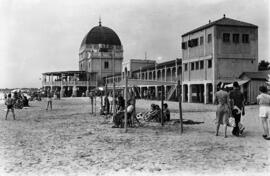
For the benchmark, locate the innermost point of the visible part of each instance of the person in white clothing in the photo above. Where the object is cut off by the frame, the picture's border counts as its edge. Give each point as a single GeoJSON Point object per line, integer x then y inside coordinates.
{"type": "Point", "coordinates": [263, 99]}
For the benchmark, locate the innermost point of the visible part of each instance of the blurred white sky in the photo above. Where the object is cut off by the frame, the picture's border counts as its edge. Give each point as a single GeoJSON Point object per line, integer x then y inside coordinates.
{"type": "Point", "coordinates": [44, 35]}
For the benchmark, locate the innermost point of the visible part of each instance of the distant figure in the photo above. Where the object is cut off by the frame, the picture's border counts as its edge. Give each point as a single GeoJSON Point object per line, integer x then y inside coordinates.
{"type": "Point", "coordinates": [263, 99]}
{"type": "Point", "coordinates": [223, 109]}
{"type": "Point", "coordinates": [120, 103]}
{"type": "Point", "coordinates": [107, 104]}
{"type": "Point", "coordinates": [153, 115]}
{"type": "Point", "coordinates": [10, 106]}
{"type": "Point", "coordinates": [238, 107]}
{"type": "Point", "coordinates": [49, 100]}
{"type": "Point", "coordinates": [25, 101]}
{"type": "Point", "coordinates": [166, 112]}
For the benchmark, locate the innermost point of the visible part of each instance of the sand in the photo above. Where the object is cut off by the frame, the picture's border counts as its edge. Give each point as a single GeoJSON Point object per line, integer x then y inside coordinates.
{"type": "Point", "coordinates": [70, 141]}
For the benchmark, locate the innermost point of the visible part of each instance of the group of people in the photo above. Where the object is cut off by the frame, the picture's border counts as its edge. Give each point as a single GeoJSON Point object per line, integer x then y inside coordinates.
{"type": "Point", "coordinates": [229, 104]}
{"type": "Point", "coordinates": [232, 104]}
{"type": "Point", "coordinates": [155, 113]}
{"type": "Point", "coordinates": [18, 101]}
{"type": "Point", "coordinates": [118, 118]}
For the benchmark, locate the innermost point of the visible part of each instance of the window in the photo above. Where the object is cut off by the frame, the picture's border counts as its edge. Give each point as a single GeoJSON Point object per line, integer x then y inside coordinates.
{"type": "Point", "coordinates": [193, 42]}
{"type": "Point", "coordinates": [106, 64]}
{"type": "Point", "coordinates": [197, 65]}
{"type": "Point", "coordinates": [201, 40]}
{"type": "Point", "coordinates": [209, 63]}
{"type": "Point", "coordinates": [226, 37]}
{"type": "Point", "coordinates": [192, 66]}
{"type": "Point", "coordinates": [186, 67]}
{"type": "Point", "coordinates": [209, 39]}
{"type": "Point", "coordinates": [235, 38]}
{"type": "Point", "coordinates": [201, 64]}
{"type": "Point", "coordinates": [245, 38]}
{"type": "Point", "coordinates": [184, 45]}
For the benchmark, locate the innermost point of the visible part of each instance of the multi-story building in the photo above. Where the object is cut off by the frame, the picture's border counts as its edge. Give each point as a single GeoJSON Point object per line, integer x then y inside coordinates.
{"type": "Point", "coordinates": [219, 51]}
{"type": "Point", "coordinates": [100, 54]}
{"type": "Point", "coordinates": [148, 79]}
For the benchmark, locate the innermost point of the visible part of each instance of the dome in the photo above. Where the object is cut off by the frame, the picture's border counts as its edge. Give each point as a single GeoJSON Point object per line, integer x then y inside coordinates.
{"type": "Point", "coordinates": [101, 35]}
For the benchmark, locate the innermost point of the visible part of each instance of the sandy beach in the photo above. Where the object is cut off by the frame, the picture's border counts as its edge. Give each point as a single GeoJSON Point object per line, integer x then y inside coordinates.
{"type": "Point", "coordinates": [70, 141]}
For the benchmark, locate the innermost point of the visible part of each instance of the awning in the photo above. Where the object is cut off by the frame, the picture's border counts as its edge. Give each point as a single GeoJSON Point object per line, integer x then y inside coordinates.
{"type": "Point", "coordinates": [241, 82]}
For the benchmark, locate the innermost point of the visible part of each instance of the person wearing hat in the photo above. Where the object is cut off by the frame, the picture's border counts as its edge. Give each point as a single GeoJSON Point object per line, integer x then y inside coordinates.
{"type": "Point", "coordinates": [238, 107]}
{"type": "Point", "coordinates": [223, 109]}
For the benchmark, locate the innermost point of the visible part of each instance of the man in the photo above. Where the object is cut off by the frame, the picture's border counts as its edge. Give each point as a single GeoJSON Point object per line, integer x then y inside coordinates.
{"type": "Point", "coordinates": [223, 109]}
{"type": "Point", "coordinates": [238, 106]}
{"type": "Point", "coordinates": [10, 106]}
{"type": "Point", "coordinates": [91, 96]}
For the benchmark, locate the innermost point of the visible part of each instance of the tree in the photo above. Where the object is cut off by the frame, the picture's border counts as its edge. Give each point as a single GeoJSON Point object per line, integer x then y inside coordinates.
{"type": "Point", "coordinates": [264, 65]}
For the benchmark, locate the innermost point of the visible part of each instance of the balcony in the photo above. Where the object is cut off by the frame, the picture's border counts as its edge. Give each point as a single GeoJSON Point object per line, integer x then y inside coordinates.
{"type": "Point", "coordinates": [69, 83]}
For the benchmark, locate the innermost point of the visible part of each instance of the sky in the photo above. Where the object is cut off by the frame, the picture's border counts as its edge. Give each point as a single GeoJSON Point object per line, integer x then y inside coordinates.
{"type": "Point", "coordinates": [39, 36]}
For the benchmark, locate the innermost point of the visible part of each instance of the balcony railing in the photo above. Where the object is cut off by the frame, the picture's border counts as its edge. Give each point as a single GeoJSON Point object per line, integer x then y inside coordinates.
{"type": "Point", "coordinates": [69, 83]}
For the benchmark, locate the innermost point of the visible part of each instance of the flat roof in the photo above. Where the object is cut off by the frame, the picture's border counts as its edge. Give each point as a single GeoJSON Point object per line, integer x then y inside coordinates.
{"type": "Point", "coordinates": [166, 63]}
{"type": "Point", "coordinates": [222, 22]}
{"type": "Point", "coordinates": [57, 73]}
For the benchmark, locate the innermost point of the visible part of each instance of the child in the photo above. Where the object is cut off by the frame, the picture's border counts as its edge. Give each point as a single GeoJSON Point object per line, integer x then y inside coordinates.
{"type": "Point", "coordinates": [166, 112]}
{"type": "Point", "coordinates": [10, 106]}
{"type": "Point", "coordinates": [263, 100]}
{"type": "Point", "coordinates": [49, 99]}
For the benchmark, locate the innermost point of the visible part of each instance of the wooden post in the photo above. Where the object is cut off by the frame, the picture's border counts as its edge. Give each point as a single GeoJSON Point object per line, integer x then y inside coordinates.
{"type": "Point", "coordinates": [126, 97]}
{"type": "Point", "coordinates": [95, 103]}
{"type": "Point", "coordinates": [133, 101]}
{"type": "Point", "coordinates": [101, 102]}
{"type": "Point", "coordinates": [180, 105]}
{"type": "Point", "coordinates": [162, 102]}
{"type": "Point", "coordinates": [92, 104]}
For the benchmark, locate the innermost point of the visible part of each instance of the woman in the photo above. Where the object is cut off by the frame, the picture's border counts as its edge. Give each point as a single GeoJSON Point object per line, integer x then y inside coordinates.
{"type": "Point", "coordinates": [223, 109]}
{"type": "Point", "coordinates": [263, 100]}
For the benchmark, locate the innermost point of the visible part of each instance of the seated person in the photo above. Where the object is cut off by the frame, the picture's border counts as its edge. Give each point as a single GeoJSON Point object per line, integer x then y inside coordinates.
{"type": "Point", "coordinates": [154, 114]}
{"type": "Point", "coordinates": [166, 112]}
{"type": "Point", "coordinates": [119, 117]}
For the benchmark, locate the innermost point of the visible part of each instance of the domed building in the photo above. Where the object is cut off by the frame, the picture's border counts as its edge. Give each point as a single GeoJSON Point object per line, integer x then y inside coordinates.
{"type": "Point", "coordinates": [101, 52]}
{"type": "Point", "coordinates": [100, 55]}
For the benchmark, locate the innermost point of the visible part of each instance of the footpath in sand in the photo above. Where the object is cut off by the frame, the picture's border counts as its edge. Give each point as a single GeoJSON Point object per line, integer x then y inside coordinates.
{"type": "Point", "coordinates": [70, 141]}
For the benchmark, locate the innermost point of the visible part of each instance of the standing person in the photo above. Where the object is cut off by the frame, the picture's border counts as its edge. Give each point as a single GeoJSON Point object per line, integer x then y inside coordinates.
{"type": "Point", "coordinates": [166, 112]}
{"type": "Point", "coordinates": [237, 106]}
{"type": "Point", "coordinates": [223, 109]}
{"type": "Point", "coordinates": [107, 104]}
{"type": "Point", "coordinates": [49, 99]}
{"type": "Point", "coordinates": [10, 106]}
{"type": "Point", "coordinates": [91, 96]}
{"type": "Point", "coordinates": [263, 100]}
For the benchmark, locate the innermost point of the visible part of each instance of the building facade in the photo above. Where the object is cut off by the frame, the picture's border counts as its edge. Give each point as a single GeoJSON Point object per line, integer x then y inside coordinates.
{"type": "Point", "coordinates": [148, 80]}
{"type": "Point", "coordinates": [100, 55]}
{"type": "Point", "coordinates": [219, 51]}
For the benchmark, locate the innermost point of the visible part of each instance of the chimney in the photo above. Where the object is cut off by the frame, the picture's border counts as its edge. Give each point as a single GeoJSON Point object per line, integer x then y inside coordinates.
{"type": "Point", "coordinates": [224, 16]}
{"type": "Point", "coordinates": [209, 21]}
